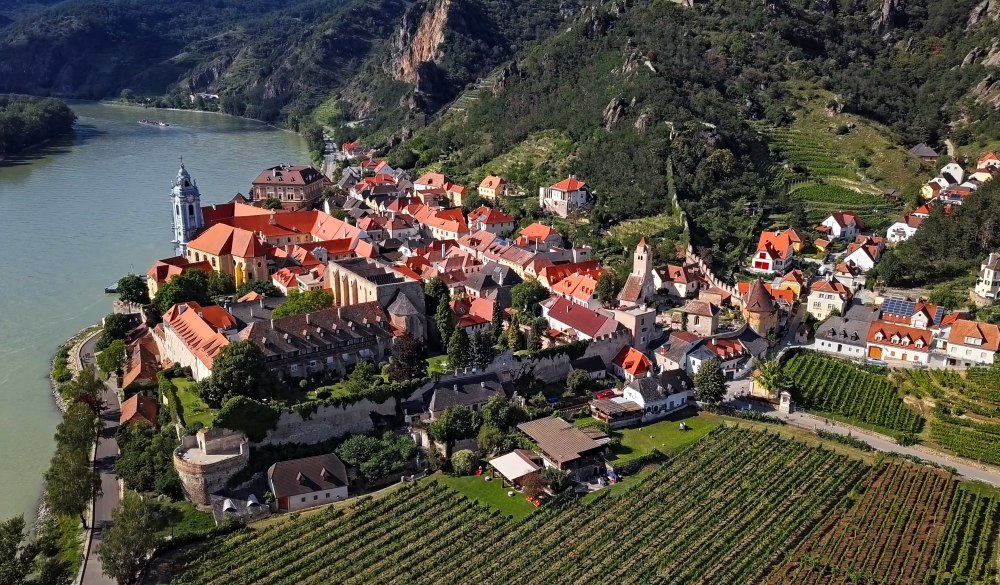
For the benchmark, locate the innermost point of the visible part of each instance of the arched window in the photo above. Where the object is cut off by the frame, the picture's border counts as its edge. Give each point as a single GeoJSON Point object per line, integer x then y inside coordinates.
{"type": "Point", "coordinates": [191, 209]}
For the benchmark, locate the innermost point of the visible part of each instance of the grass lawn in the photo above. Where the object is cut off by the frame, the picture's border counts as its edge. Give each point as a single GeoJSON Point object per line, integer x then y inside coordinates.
{"type": "Point", "coordinates": [195, 410]}
{"type": "Point", "coordinates": [491, 493]}
{"type": "Point", "coordinates": [664, 435]}
{"type": "Point", "coordinates": [435, 364]}
{"type": "Point", "coordinates": [184, 518]}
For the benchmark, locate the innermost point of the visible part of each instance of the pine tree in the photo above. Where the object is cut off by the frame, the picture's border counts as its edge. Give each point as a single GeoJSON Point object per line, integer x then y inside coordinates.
{"type": "Point", "coordinates": [459, 354]}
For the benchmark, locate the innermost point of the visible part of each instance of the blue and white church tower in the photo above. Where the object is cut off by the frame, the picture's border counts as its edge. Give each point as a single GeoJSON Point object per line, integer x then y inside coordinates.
{"type": "Point", "coordinates": [186, 202]}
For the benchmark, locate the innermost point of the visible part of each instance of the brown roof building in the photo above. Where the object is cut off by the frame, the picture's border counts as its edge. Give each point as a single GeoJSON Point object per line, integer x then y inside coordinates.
{"type": "Point", "coordinates": [307, 482]}
{"type": "Point", "coordinates": [566, 447]}
{"type": "Point", "coordinates": [296, 187]}
{"type": "Point", "coordinates": [139, 408]}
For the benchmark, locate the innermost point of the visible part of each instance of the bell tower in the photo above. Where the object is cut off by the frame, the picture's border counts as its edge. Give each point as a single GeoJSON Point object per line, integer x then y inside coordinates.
{"type": "Point", "coordinates": [186, 203]}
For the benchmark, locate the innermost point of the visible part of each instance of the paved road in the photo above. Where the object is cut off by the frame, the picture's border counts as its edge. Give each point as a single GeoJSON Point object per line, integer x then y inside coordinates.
{"type": "Point", "coordinates": [968, 469]}
{"type": "Point", "coordinates": [104, 463]}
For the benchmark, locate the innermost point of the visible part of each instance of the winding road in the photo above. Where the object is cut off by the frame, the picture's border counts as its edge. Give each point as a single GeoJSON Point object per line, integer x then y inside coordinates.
{"type": "Point", "coordinates": [968, 469]}
{"type": "Point", "coordinates": [104, 462]}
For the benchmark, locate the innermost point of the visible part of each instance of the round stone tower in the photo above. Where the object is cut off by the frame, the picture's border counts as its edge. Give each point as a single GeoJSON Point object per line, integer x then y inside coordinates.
{"type": "Point", "coordinates": [207, 461]}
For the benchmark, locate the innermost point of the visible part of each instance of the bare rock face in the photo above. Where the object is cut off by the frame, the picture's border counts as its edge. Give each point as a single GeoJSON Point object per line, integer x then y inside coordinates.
{"type": "Point", "coordinates": [644, 121]}
{"type": "Point", "coordinates": [987, 10]}
{"type": "Point", "coordinates": [992, 58]}
{"type": "Point", "coordinates": [884, 19]}
{"type": "Point", "coordinates": [506, 74]}
{"type": "Point", "coordinates": [613, 112]}
{"type": "Point", "coordinates": [418, 39]}
{"type": "Point", "coordinates": [988, 91]}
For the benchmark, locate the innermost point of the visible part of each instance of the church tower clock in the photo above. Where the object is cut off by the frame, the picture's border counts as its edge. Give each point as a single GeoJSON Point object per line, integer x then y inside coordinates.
{"type": "Point", "coordinates": [186, 202]}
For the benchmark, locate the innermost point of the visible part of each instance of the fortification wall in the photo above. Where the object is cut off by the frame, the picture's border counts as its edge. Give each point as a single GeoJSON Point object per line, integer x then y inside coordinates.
{"type": "Point", "coordinates": [327, 422]}
{"type": "Point", "coordinates": [202, 480]}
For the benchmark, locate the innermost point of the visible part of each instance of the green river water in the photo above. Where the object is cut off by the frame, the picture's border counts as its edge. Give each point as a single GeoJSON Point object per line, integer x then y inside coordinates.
{"type": "Point", "coordinates": [76, 215]}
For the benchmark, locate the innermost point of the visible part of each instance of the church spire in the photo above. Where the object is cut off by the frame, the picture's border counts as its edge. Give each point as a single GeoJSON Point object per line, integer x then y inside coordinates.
{"type": "Point", "coordinates": [186, 206]}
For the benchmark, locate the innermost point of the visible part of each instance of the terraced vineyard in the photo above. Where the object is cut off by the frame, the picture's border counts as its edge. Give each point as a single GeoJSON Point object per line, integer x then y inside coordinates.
{"type": "Point", "coordinates": [723, 511]}
{"type": "Point", "coordinates": [839, 387]}
{"type": "Point", "coordinates": [818, 157]}
{"type": "Point", "coordinates": [888, 537]}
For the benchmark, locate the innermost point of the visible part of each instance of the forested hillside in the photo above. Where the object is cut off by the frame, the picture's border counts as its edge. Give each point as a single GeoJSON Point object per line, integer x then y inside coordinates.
{"type": "Point", "coordinates": [640, 87]}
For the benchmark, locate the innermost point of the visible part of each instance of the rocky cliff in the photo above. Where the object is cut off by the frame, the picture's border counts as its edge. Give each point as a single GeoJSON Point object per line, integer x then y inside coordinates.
{"type": "Point", "coordinates": [418, 39]}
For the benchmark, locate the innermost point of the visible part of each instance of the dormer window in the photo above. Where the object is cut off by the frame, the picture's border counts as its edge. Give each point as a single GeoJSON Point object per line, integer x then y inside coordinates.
{"type": "Point", "coordinates": [906, 341]}
{"type": "Point", "coordinates": [895, 338]}
{"type": "Point", "coordinates": [879, 336]}
{"type": "Point", "coordinates": [973, 341]}
{"type": "Point", "coordinates": [919, 343]}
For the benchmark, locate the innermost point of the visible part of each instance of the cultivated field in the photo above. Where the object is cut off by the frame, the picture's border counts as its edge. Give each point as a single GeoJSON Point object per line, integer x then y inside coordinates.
{"type": "Point", "coordinates": [839, 387]}
{"type": "Point", "coordinates": [739, 506]}
{"type": "Point", "coordinates": [888, 537]}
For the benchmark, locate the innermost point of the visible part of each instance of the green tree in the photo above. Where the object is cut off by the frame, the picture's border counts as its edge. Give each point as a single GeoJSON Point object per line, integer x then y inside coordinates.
{"type": "Point", "coordinates": [526, 295]}
{"type": "Point", "coordinates": [538, 327]}
{"type": "Point", "coordinates": [557, 481]}
{"type": "Point", "coordinates": [435, 293]}
{"type": "Point", "coordinates": [515, 341]}
{"type": "Point", "coordinates": [241, 368]}
{"type": "Point", "coordinates": [459, 354]}
{"type": "Point", "coordinates": [112, 359]}
{"type": "Point", "coordinates": [608, 287]}
{"type": "Point", "coordinates": [363, 378]}
{"type": "Point", "coordinates": [262, 287]}
{"type": "Point", "coordinates": [300, 303]}
{"type": "Point", "coordinates": [130, 540]}
{"type": "Point", "coordinates": [220, 284]}
{"type": "Point", "coordinates": [245, 414]}
{"type": "Point", "coordinates": [499, 413]}
{"type": "Point", "coordinates": [116, 326]}
{"type": "Point", "coordinates": [377, 457]}
{"type": "Point", "coordinates": [86, 387]}
{"type": "Point", "coordinates": [771, 376]}
{"type": "Point", "coordinates": [271, 203]}
{"type": "Point", "coordinates": [463, 462]}
{"type": "Point", "coordinates": [190, 286]}
{"type": "Point", "coordinates": [408, 360]}
{"type": "Point", "coordinates": [710, 382]}
{"type": "Point", "coordinates": [17, 555]}
{"type": "Point", "coordinates": [490, 438]}
{"type": "Point", "coordinates": [496, 325]}
{"type": "Point", "coordinates": [577, 381]}
{"type": "Point", "coordinates": [453, 424]}
{"type": "Point", "coordinates": [132, 290]}
{"type": "Point", "coordinates": [70, 483]}
{"type": "Point", "coordinates": [78, 428]}
{"type": "Point", "coordinates": [483, 350]}
{"type": "Point", "coordinates": [445, 326]}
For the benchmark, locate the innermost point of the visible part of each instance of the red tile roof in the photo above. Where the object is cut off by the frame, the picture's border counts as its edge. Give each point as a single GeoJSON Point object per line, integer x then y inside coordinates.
{"type": "Point", "coordinates": [469, 312]}
{"type": "Point", "coordinates": [633, 361]}
{"type": "Point", "coordinates": [906, 337]}
{"type": "Point", "coordinates": [488, 216]}
{"type": "Point", "coordinates": [493, 182]}
{"type": "Point", "coordinates": [779, 244]}
{"type": "Point", "coordinates": [987, 334]}
{"type": "Point", "coordinates": [199, 328]}
{"type": "Point", "coordinates": [288, 175]}
{"type": "Point", "coordinates": [584, 320]}
{"type": "Point", "coordinates": [570, 184]}
{"type": "Point", "coordinates": [139, 407]}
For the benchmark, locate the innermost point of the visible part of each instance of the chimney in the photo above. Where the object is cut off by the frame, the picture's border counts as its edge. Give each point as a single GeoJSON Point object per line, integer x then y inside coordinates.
{"type": "Point", "coordinates": [251, 313]}
{"type": "Point", "coordinates": [482, 384]}
{"type": "Point", "coordinates": [201, 314]}
{"type": "Point", "coordinates": [261, 302]}
{"type": "Point", "coordinates": [455, 387]}
{"type": "Point", "coordinates": [272, 323]}
{"type": "Point", "coordinates": [307, 318]}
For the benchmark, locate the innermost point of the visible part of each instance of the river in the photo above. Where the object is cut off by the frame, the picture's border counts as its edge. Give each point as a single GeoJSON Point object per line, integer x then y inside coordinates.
{"type": "Point", "coordinates": [74, 217]}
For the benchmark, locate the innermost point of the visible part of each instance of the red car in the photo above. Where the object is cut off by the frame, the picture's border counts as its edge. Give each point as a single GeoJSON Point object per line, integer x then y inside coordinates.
{"type": "Point", "coordinates": [606, 393]}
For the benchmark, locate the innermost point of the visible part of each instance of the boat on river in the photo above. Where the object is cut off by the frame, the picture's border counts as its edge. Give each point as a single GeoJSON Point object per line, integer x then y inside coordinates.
{"type": "Point", "coordinates": [157, 123]}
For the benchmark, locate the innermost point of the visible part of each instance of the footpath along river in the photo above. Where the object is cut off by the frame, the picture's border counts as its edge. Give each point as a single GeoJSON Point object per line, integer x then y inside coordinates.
{"type": "Point", "coordinates": [76, 215]}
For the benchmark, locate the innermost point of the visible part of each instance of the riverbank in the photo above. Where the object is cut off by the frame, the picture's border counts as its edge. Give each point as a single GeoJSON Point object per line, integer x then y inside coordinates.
{"type": "Point", "coordinates": [123, 104]}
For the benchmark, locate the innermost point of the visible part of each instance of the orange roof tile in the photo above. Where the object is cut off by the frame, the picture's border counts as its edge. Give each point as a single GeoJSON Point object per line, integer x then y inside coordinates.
{"type": "Point", "coordinates": [965, 332]}
{"type": "Point", "coordinates": [633, 361]}
{"type": "Point", "coordinates": [570, 184]}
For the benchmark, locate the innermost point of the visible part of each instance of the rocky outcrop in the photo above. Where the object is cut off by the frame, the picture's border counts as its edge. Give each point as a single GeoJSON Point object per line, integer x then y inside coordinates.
{"type": "Point", "coordinates": [506, 74]}
{"type": "Point", "coordinates": [644, 121]}
{"type": "Point", "coordinates": [418, 39]}
{"type": "Point", "coordinates": [987, 10]}
{"type": "Point", "coordinates": [988, 91]}
{"type": "Point", "coordinates": [884, 19]}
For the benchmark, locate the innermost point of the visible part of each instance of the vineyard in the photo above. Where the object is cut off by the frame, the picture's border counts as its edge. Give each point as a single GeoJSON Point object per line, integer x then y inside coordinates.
{"type": "Point", "coordinates": [838, 387]}
{"type": "Point", "coordinates": [888, 537]}
{"type": "Point", "coordinates": [967, 438]}
{"type": "Point", "coordinates": [967, 549]}
{"type": "Point", "coordinates": [723, 511]}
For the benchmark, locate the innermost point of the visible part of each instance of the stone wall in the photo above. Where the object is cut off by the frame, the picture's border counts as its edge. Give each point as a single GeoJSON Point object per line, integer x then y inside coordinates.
{"type": "Point", "coordinates": [327, 422]}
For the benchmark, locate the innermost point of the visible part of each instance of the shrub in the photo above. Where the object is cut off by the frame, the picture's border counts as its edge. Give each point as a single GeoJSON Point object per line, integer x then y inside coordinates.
{"type": "Point", "coordinates": [463, 462]}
